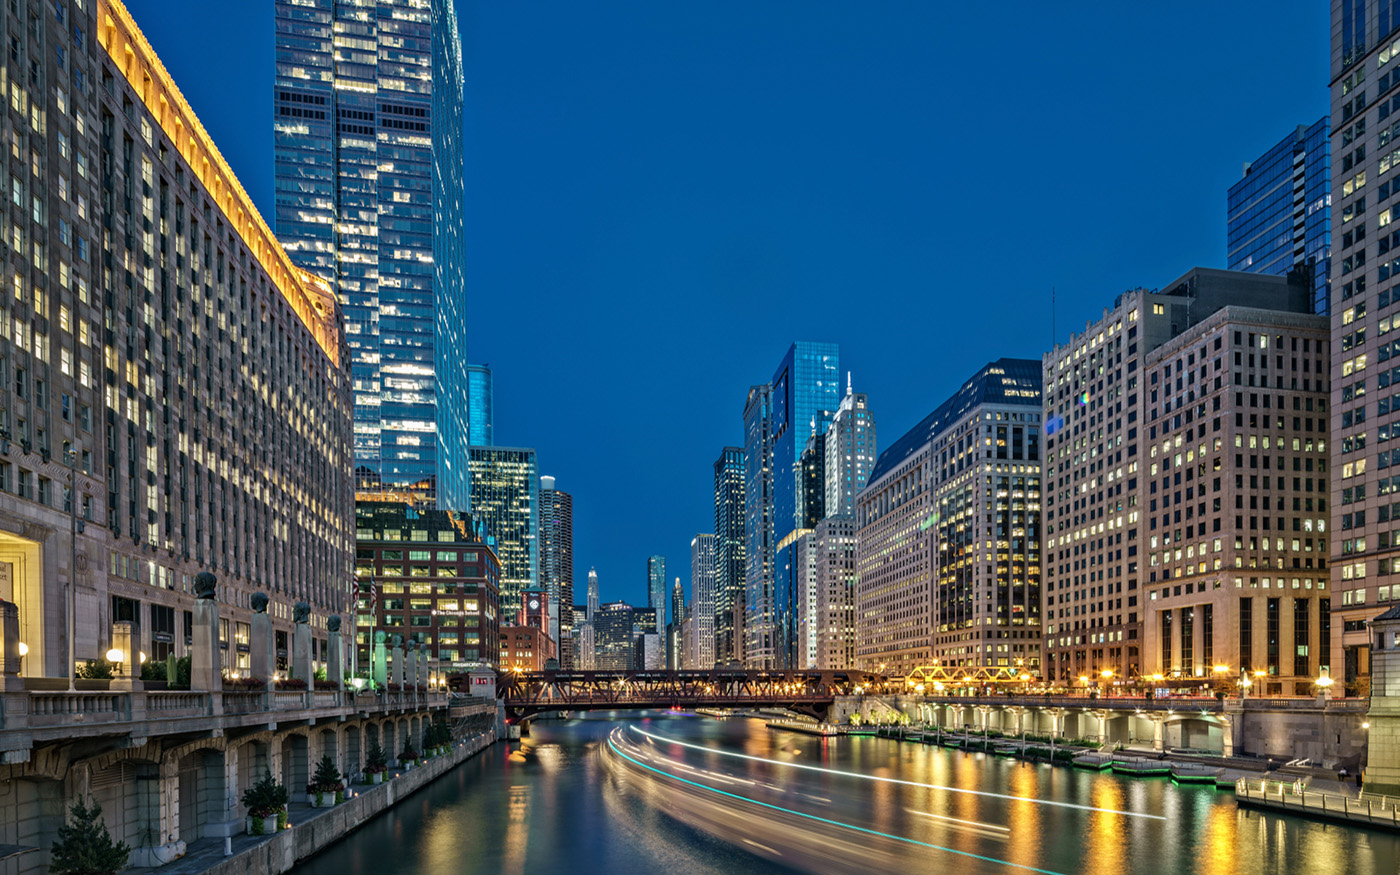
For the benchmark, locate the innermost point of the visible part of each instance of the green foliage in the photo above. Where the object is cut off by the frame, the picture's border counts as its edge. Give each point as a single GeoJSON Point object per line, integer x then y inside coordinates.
{"type": "Point", "coordinates": [153, 671]}
{"type": "Point", "coordinates": [327, 777]}
{"type": "Point", "coordinates": [84, 845]}
{"type": "Point", "coordinates": [408, 752]}
{"type": "Point", "coordinates": [95, 670]}
{"type": "Point", "coordinates": [181, 681]}
{"type": "Point", "coordinates": [319, 674]}
{"type": "Point", "coordinates": [266, 797]}
{"type": "Point", "coordinates": [375, 759]}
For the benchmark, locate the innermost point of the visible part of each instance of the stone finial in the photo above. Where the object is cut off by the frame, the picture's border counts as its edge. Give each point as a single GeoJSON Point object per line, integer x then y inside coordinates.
{"type": "Point", "coordinates": [205, 584]}
{"type": "Point", "coordinates": [301, 612]}
{"type": "Point", "coordinates": [333, 623]}
{"type": "Point", "coordinates": [260, 603]}
{"type": "Point", "coordinates": [398, 640]}
{"type": "Point", "coordinates": [379, 636]}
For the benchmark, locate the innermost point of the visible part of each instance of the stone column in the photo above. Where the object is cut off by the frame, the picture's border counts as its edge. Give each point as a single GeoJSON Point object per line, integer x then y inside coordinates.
{"type": "Point", "coordinates": [424, 667]}
{"type": "Point", "coordinates": [10, 660]}
{"type": "Point", "coordinates": [396, 661]}
{"type": "Point", "coordinates": [1176, 641]}
{"type": "Point", "coordinates": [410, 670]}
{"type": "Point", "coordinates": [205, 668]}
{"type": "Point", "coordinates": [263, 657]}
{"type": "Point", "coordinates": [301, 644]}
{"type": "Point", "coordinates": [1158, 735]}
{"type": "Point", "coordinates": [1198, 642]}
{"type": "Point", "coordinates": [380, 666]}
{"type": "Point", "coordinates": [335, 670]}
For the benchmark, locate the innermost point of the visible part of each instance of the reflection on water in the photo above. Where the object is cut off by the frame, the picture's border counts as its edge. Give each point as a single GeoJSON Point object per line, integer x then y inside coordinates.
{"type": "Point", "coordinates": [569, 799]}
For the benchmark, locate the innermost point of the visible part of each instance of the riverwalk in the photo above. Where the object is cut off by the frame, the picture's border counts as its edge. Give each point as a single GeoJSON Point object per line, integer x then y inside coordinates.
{"type": "Point", "coordinates": [312, 829]}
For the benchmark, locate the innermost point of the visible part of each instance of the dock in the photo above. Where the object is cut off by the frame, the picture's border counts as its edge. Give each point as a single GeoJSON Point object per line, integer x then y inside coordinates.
{"type": "Point", "coordinates": [1381, 812]}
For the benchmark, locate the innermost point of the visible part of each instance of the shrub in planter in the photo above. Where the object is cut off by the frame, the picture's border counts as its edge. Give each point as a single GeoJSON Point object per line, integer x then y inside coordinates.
{"type": "Point", "coordinates": [326, 787]}
{"type": "Point", "coordinates": [84, 845]}
{"type": "Point", "coordinates": [409, 756]}
{"type": "Point", "coordinates": [244, 685]}
{"type": "Point", "coordinates": [266, 801]}
{"type": "Point", "coordinates": [326, 686]}
{"type": "Point", "coordinates": [376, 763]}
{"type": "Point", "coordinates": [95, 670]}
{"type": "Point", "coordinates": [292, 685]}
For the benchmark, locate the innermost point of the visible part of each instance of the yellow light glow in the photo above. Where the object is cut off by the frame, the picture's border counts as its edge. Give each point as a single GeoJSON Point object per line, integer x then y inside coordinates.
{"type": "Point", "coordinates": [115, 655]}
{"type": "Point", "coordinates": [1221, 669]}
{"type": "Point", "coordinates": [1106, 674]}
{"type": "Point", "coordinates": [23, 649]}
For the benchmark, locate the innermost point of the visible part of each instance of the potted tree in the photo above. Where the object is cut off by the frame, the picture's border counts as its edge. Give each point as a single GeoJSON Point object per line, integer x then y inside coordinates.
{"type": "Point", "coordinates": [266, 802]}
{"type": "Point", "coordinates": [376, 763]}
{"type": "Point", "coordinates": [84, 845]}
{"type": "Point", "coordinates": [409, 756]}
{"type": "Point", "coordinates": [326, 787]}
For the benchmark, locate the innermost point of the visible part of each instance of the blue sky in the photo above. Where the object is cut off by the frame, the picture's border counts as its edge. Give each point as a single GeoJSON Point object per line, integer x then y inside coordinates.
{"type": "Point", "coordinates": [662, 196]}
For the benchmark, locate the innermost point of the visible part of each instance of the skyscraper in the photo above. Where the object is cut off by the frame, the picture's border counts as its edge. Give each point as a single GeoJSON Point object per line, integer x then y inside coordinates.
{"type": "Point", "coordinates": [850, 452]}
{"type": "Point", "coordinates": [481, 400]}
{"type": "Point", "coordinates": [367, 104]}
{"type": "Point", "coordinates": [835, 546]}
{"type": "Point", "coordinates": [1279, 215]}
{"type": "Point", "coordinates": [948, 547]}
{"type": "Point", "coordinates": [756, 650]}
{"type": "Point", "coordinates": [1097, 400]}
{"type": "Point", "coordinates": [702, 601]}
{"type": "Point", "coordinates": [505, 484]}
{"type": "Point", "coordinates": [656, 589]}
{"type": "Point", "coordinates": [557, 560]}
{"type": "Point", "coordinates": [592, 594]}
{"type": "Point", "coordinates": [1365, 547]}
{"type": "Point", "coordinates": [729, 556]}
{"type": "Point", "coordinates": [802, 395]}
{"type": "Point", "coordinates": [673, 626]}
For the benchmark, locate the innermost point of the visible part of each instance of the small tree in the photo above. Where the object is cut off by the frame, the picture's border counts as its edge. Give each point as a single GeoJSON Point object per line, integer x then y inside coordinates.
{"type": "Point", "coordinates": [375, 759]}
{"type": "Point", "coordinates": [408, 752]}
{"type": "Point", "coordinates": [95, 670]}
{"type": "Point", "coordinates": [84, 845]}
{"type": "Point", "coordinates": [327, 777]}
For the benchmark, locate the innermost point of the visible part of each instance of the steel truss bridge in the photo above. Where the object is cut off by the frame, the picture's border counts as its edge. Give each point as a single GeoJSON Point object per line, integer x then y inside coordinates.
{"type": "Point", "coordinates": [526, 694]}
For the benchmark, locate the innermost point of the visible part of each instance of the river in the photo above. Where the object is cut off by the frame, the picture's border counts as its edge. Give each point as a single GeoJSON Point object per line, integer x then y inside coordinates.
{"type": "Point", "coordinates": [665, 794]}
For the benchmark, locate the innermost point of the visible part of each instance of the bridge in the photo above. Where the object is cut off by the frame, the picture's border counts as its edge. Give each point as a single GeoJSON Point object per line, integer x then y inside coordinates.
{"type": "Point", "coordinates": [526, 694]}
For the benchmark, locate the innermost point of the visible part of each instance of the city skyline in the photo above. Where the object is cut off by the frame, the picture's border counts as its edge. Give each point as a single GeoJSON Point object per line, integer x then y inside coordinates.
{"type": "Point", "coordinates": [504, 75]}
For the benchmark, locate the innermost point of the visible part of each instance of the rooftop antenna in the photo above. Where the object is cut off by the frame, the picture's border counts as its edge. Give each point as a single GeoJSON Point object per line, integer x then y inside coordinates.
{"type": "Point", "coordinates": [1053, 334]}
{"type": "Point", "coordinates": [848, 382]}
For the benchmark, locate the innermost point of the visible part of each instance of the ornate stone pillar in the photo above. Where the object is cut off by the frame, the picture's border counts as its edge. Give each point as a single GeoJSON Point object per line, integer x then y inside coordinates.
{"type": "Point", "coordinates": [380, 667]}
{"type": "Point", "coordinates": [263, 658]}
{"type": "Point", "coordinates": [301, 644]}
{"type": "Point", "coordinates": [205, 669]}
{"type": "Point", "coordinates": [335, 670]}
{"type": "Point", "coordinates": [396, 661]}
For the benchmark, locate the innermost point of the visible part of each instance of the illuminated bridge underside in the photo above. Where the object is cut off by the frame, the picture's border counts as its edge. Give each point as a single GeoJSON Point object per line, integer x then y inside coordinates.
{"type": "Point", "coordinates": [974, 675]}
{"type": "Point", "coordinates": [807, 692]}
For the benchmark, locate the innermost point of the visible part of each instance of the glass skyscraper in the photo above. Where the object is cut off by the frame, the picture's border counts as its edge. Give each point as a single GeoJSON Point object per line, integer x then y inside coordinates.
{"type": "Point", "coordinates": [1279, 216]}
{"type": "Point", "coordinates": [367, 106]}
{"type": "Point", "coordinates": [656, 588]}
{"type": "Point", "coordinates": [480, 398]}
{"type": "Point", "coordinates": [505, 497]}
{"type": "Point", "coordinates": [803, 394]}
{"type": "Point", "coordinates": [729, 556]}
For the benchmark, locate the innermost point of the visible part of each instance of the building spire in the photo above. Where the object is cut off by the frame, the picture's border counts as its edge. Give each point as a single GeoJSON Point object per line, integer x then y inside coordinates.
{"type": "Point", "coordinates": [848, 384]}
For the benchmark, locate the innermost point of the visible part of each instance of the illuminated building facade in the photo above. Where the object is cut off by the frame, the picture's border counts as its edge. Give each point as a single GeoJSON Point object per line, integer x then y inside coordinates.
{"type": "Point", "coordinates": [1365, 54]}
{"type": "Point", "coordinates": [850, 451]}
{"type": "Point", "coordinates": [367, 132]}
{"type": "Point", "coordinates": [428, 575]}
{"type": "Point", "coordinates": [525, 648]}
{"type": "Point", "coordinates": [557, 560]}
{"type": "Point", "coordinates": [159, 340]}
{"type": "Point", "coordinates": [505, 497]}
{"type": "Point", "coordinates": [834, 545]}
{"type": "Point", "coordinates": [480, 412]}
{"type": "Point", "coordinates": [948, 549]}
{"type": "Point", "coordinates": [700, 624]}
{"type": "Point", "coordinates": [1232, 485]}
{"type": "Point", "coordinates": [1096, 405]}
{"type": "Point", "coordinates": [656, 588]}
{"type": "Point", "coordinates": [729, 556]}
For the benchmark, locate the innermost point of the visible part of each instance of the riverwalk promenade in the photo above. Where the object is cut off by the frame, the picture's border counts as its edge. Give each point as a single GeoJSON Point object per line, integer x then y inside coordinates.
{"type": "Point", "coordinates": [312, 829]}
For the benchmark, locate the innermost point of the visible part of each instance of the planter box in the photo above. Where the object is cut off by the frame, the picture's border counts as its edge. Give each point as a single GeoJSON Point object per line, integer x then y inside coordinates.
{"type": "Point", "coordinates": [408, 764]}
{"type": "Point", "coordinates": [376, 777]}
{"type": "Point", "coordinates": [325, 800]}
{"type": "Point", "coordinates": [268, 824]}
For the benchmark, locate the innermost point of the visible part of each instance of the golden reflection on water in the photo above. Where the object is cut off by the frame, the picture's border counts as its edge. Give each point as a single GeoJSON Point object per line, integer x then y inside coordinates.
{"type": "Point", "coordinates": [517, 829]}
{"type": "Point", "coordinates": [1218, 848]}
{"type": "Point", "coordinates": [1105, 836]}
{"type": "Point", "coordinates": [1025, 817]}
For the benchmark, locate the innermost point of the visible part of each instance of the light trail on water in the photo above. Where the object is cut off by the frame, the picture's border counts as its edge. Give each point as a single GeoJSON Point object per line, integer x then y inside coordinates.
{"type": "Point", "coordinates": [1052, 802]}
{"type": "Point", "coordinates": [613, 746]}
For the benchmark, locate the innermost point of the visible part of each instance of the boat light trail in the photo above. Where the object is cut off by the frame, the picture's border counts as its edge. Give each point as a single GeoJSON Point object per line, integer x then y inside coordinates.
{"type": "Point", "coordinates": [987, 793]}
{"type": "Point", "coordinates": [612, 744]}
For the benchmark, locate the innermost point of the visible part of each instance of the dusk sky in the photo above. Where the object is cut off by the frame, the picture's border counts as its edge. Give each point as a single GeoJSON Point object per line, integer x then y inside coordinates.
{"type": "Point", "coordinates": [662, 196]}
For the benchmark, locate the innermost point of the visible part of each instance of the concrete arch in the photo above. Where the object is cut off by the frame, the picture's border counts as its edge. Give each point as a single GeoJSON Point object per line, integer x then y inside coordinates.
{"type": "Point", "coordinates": [296, 764]}
{"type": "Point", "coordinates": [128, 789]}
{"type": "Point", "coordinates": [201, 782]}
{"type": "Point", "coordinates": [352, 751]}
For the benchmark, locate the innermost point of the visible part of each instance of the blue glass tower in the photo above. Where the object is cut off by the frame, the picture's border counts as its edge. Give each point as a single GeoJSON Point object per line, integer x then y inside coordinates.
{"type": "Point", "coordinates": [1279, 216]}
{"type": "Point", "coordinates": [480, 400]}
{"type": "Point", "coordinates": [805, 389]}
{"type": "Point", "coordinates": [367, 104]}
